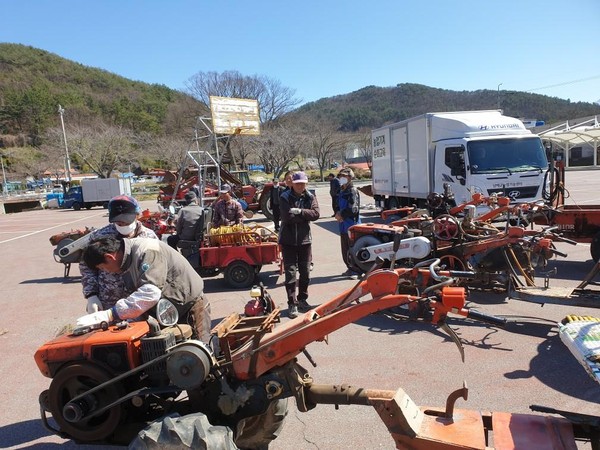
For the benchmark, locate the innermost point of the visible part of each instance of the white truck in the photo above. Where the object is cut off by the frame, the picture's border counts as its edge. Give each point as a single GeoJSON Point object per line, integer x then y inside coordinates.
{"type": "Point", "coordinates": [96, 192]}
{"type": "Point", "coordinates": [471, 151]}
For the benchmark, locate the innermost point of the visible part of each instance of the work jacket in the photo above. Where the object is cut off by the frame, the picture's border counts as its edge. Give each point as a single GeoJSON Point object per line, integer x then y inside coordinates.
{"type": "Point", "coordinates": [295, 228]}
{"type": "Point", "coordinates": [348, 207]}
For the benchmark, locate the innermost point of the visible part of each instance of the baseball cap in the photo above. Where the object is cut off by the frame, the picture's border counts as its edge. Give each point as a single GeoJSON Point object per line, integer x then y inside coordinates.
{"type": "Point", "coordinates": [190, 196]}
{"type": "Point", "coordinates": [225, 188]}
{"type": "Point", "coordinates": [299, 177]}
{"type": "Point", "coordinates": [347, 171]}
{"type": "Point", "coordinates": [123, 208]}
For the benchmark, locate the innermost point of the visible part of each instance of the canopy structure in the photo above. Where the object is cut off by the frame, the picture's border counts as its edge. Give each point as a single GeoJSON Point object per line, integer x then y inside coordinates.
{"type": "Point", "coordinates": [567, 137]}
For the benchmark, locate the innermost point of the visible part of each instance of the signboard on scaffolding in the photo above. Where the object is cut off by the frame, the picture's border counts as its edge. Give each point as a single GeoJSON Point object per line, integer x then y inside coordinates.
{"type": "Point", "coordinates": [235, 115]}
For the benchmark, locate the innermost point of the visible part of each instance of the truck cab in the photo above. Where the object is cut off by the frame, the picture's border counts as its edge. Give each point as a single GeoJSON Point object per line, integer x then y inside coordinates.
{"type": "Point", "coordinates": [74, 198]}
{"type": "Point", "coordinates": [510, 163]}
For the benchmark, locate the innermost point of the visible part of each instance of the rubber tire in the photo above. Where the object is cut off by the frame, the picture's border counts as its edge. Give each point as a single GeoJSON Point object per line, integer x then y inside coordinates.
{"type": "Point", "coordinates": [239, 274]}
{"type": "Point", "coordinates": [595, 247]}
{"type": "Point", "coordinates": [76, 206]}
{"type": "Point", "coordinates": [72, 380]}
{"type": "Point", "coordinates": [88, 206]}
{"type": "Point", "coordinates": [265, 206]}
{"type": "Point", "coordinates": [193, 431]}
{"type": "Point", "coordinates": [257, 432]}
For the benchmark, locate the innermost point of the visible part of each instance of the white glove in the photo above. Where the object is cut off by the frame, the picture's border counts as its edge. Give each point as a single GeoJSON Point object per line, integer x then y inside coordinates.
{"type": "Point", "coordinates": [295, 211]}
{"type": "Point", "coordinates": [94, 319]}
{"type": "Point", "coordinates": [93, 304]}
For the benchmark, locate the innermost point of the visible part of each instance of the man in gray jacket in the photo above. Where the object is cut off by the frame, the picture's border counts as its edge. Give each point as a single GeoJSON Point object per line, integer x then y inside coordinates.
{"type": "Point", "coordinates": [151, 270]}
{"type": "Point", "coordinates": [187, 227]}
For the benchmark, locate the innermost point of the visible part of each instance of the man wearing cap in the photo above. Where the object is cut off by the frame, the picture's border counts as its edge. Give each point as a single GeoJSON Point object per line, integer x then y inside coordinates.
{"type": "Point", "coordinates": [298, 208]}
{"type": "Point", "coordinates": [187, 220]}
{"type": "Point", "coordinates": [226, 210]}
{"type": "Point", "coordinates": [103, 289]}
{"type": "Point", "coordinates": [347, 214]}
{"type": "Point", "coordinates": [151, 270]}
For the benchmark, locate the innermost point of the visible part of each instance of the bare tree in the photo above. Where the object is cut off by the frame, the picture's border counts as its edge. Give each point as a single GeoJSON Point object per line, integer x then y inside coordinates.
{"type": "Point", "coordinates": [274, 99]}
{"type": "Point", "coordinates": [170, 152]}
{"type": "Point", "coordinates": [365, 147]}
{"type": "Point", "coordinates": [277, 146]}
{"type": "Point", "coordinates": [243, 150]}
{"type": "Point", "coordinates": [103, 149]}
{"type": "Point", "coordinates": [31, 161]}
{"type": "Point", "coordinates": [323, 141]}
{"type": "Point", "coordinates": [54, 151]}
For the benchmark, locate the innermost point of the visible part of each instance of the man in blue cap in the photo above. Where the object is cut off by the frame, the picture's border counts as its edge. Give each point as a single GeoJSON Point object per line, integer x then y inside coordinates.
{"type": "Point", "coordinates": [103, 289]}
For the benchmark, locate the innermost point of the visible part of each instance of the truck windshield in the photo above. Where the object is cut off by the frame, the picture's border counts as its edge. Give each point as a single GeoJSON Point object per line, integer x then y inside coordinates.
{"type": "Point", "coordinates": [507, 155]}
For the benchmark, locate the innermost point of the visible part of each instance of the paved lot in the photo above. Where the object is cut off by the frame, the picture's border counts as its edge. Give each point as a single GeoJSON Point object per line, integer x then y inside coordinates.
{"type": "Point", "coordinates": [505, 369]}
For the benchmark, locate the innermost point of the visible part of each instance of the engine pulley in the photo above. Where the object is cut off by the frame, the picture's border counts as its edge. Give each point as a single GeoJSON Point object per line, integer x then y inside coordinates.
{"type": "Point", "coordinates": [189, 364]}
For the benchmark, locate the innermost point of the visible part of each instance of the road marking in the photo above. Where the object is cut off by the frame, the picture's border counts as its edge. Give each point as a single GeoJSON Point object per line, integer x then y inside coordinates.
{"type": "Point", "coordinates": [50, 228]}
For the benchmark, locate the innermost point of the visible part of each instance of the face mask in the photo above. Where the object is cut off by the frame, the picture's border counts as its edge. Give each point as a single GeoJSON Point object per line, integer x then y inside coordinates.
{"type": "Point", "coordinates": [127, 229]}
{"type": "Point", "coordinates": [343, 181]}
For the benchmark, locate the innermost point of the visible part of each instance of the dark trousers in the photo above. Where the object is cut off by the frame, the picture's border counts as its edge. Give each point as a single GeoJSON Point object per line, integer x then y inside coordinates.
{"type": "Point", "coordinates": [345, 241]}
{"type": "Point", "coordinates": [276, 215]}
{"type": "Point", "coordinates": [296, 258]}
{"type": "Point", "coordinates": [199, 319]}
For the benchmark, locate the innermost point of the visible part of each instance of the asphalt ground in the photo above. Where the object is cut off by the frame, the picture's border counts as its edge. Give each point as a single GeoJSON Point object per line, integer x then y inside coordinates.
{"type": "Point", "coordinates": [505, 369]}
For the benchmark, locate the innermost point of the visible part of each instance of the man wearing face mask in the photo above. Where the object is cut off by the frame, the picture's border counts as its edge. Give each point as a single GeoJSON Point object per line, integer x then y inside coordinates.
{"type": "Point", "coordinates": [347, 214]}
{"type": "Point", "coordinates": [103, 289]}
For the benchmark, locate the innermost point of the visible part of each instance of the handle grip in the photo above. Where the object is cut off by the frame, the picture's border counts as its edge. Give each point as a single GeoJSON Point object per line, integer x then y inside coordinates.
{"type": "Point", "coordinates": [559, 253]}
{"type": "Point", "coordinates": [462, 274]}
{"type": "Point", "coordinates": [488, 318]}
{"type": "Point", "coordinates": [564, 239]}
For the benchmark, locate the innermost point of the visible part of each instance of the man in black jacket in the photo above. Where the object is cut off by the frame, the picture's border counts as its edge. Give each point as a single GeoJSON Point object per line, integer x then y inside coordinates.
{"type": "Point", "coordinates": [298, 208]}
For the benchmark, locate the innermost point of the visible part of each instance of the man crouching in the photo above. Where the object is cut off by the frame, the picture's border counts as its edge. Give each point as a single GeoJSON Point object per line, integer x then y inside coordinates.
{"type": "Point", "coordinates": [151, 270]}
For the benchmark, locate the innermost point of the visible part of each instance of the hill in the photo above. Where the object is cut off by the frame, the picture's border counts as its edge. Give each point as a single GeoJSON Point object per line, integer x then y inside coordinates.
{"type": "Point", "coordinates": [34, 82]}
{"type": "Point", "coordinates": [373, 106]}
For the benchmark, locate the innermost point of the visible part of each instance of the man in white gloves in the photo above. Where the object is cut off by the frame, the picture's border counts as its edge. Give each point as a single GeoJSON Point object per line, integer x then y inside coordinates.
{"type": "Point", "coordinates": [298, 208]}
{"type": "Point", "coordinates": [151, 270]}
{"type": "Point", "coordinates": [103, 289]}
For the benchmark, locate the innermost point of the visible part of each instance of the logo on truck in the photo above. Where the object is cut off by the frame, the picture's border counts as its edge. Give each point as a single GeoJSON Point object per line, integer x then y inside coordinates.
{"type": "Point", "coordinates": [499, 127]}
{"type": "Point", "coordinates": [379, 141]}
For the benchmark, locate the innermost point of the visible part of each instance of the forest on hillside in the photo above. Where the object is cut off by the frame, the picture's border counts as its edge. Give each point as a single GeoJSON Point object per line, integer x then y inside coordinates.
{"type": "Point", "coordinates": [115, 124]}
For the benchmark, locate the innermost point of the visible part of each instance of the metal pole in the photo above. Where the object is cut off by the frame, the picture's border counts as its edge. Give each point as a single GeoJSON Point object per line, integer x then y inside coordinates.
{"type": "Point", "coordinates": [67, 159]}
{"type": "Point", "coordinates": [499, 95]}
{"type": "Point", "coordinates": [4, 188]}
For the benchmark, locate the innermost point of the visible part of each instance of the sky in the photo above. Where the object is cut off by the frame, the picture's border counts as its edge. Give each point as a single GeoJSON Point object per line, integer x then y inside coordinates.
{"type": "Point", "coordinates": [324, 48]}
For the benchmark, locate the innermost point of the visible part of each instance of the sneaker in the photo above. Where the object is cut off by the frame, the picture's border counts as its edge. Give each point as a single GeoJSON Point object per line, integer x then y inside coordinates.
{"type": "Point", "coordinates": [292, 311]}
{"type": "Point", "coordinates": [351, 273]}
{"type": "Point", "coordinates": [303, 306]}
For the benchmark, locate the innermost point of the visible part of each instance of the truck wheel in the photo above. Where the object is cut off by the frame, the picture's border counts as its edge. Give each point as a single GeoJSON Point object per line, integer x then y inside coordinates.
{"type": "Point", "coordinates": [595, 247]}
{"type": "Point", "coordinates": [88, 206]}
{"type": "Point", "coordinates": [265, 206]}
{"type": "Point", "coordinates": [258, 431]}
{"type": "Point", "coordinates": [76, 206]}
{"type": "Point", "coordinates": [193, 431]}
{"type": "Point", "coordinates": [239, 274]}
{"type": "Point", "coordinates": [73, 380]}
